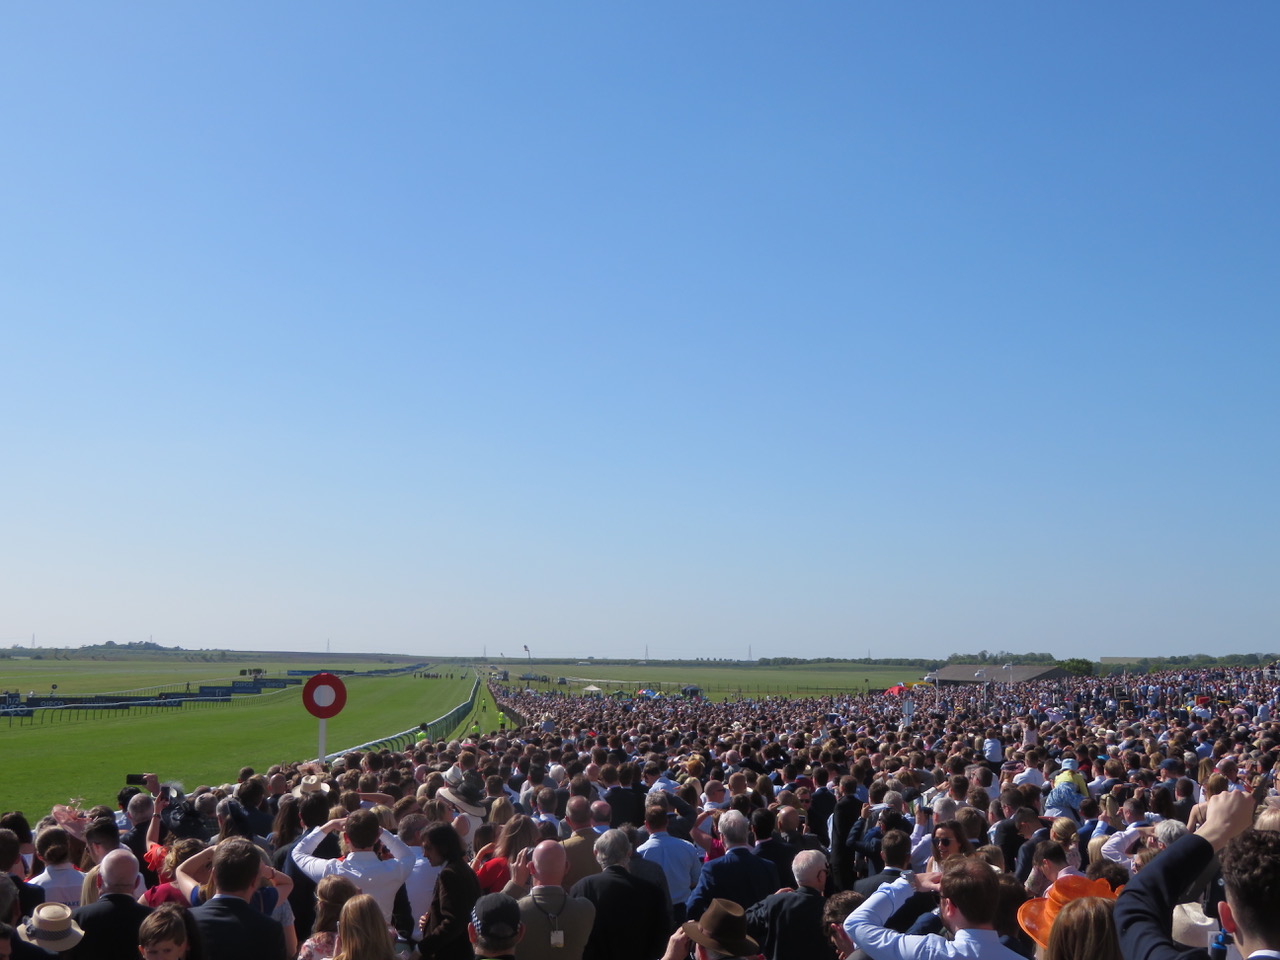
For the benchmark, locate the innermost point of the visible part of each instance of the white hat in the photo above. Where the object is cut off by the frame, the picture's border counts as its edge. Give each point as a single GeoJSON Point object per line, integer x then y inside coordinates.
{"type": "Point", "coordinates": [309, 785]}
{"type": "Point", "coordinates": [51, 927]}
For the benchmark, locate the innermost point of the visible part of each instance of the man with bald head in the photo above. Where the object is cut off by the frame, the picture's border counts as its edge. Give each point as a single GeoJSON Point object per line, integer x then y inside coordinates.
{"type": "Point", "coordinates": [111, 923]}
{"type": "Point", "coordinates": [788, 924]}
{"type": "Point", "coordinates": [557, 925]}
{"type": "Point", "coordinates": [601, 816]}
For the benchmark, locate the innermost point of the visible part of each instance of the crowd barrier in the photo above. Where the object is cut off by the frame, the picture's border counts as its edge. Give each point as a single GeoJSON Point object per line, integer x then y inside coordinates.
{"type": "Point", "coordinates": [437, 729]}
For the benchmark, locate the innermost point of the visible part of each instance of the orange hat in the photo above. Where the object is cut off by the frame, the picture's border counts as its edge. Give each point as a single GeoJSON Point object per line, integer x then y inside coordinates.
{"type": "Point", "coordinates": [1037, 916]}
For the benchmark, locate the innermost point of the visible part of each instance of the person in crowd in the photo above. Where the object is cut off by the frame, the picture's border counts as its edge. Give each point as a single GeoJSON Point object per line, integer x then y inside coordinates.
{"type": "Point", "coordinates": [557, 924]}
{"type": "Point", "coordinates": [633, 916]}
{"type": "Point", "coordinates": [230, 928]}
{"type": "Point", "coordinates": [444, 925]}
{"type": "Point", "coordinates": [492, 864]}
{"type": "Point", "coordinates": [361, 832]}
{"type": "Point", "coordinates": [332, 893]}
{"type": "Point", "coordinates": [788, 924]}
{"type": "Point", "coordinates": [969, 894]}
{"type": "Point", "coordinates": [580, 844]}
{"type": "Point", "coordinates": [363, 933]}
{"type": "Point", "coordinates": [169, 932]}
{"type": "Point", "coordinates": [740, 875]}
{"type": "Point", "coordinates": [60, 881]}
{"type": "Point", "coordinates": [111, 923]}
{"type": "Point", "coordinates": [495, 929]}
{"type": "Point", "coordinates": [679, 859]}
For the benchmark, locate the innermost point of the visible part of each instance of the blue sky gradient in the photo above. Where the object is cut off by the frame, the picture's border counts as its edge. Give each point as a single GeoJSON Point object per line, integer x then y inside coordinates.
{"type": "Point", "coordinates": [812, 328]}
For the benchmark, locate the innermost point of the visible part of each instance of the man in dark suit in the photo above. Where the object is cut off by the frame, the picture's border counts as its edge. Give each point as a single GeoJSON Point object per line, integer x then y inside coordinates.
{"type": "Point", "coordinates": [313, 811]}
{"type": "Point", "coordinates": [822, 804]}
{"type": "Point", "coordinates": [896, 850]}
{"type": "Point", "coordinates": [627, 805]}
{"type": "Point", "coordinates": [230, 928]}
{"type": "Point", "coordinates": [111, 924]}
{"type": "Point", "coordinates": [846, 813]}
{"type": "Point", "coordinates": [740, 875]}
{"type": "Point", "coordinates": [771, 848]}
{"type": "Point", "coordinates": [633, 916]}
{"type": "Point", "coordinates": [1004, 833]}
{"type": "Point", "coordinates": [788, 924]}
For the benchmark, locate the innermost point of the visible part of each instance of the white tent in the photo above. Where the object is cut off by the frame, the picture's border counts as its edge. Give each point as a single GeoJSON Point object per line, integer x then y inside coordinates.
{"type": "Point", "coordinates": [592, 691]}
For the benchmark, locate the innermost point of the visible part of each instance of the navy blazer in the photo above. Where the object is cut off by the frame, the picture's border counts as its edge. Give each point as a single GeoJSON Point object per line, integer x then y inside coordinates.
{"type": "Point", "coordinates": [110, 927]}
{"type": "Point", "coordinates": [740, 875]}
{"type": "Point", "coordinates": [233, 930]}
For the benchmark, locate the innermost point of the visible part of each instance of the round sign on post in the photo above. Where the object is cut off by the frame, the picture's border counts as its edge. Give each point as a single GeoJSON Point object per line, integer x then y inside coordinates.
{"type": "Point", "coordinates": [324, 696]}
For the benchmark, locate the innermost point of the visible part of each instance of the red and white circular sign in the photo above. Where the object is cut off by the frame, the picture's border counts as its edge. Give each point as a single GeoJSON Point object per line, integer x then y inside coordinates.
{"type": "Point", "coordinates": [324, 696]}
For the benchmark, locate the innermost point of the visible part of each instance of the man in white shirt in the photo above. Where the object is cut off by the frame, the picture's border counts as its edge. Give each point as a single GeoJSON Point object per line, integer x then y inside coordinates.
{"type": "Point", "coordinates": [376, 877]}
{"type": "Point", "coordinates": [970, 892]}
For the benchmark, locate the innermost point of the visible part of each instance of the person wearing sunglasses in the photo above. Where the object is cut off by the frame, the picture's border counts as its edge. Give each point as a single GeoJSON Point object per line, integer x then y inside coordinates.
{"type": "Point", "coordinates": [949, 841]}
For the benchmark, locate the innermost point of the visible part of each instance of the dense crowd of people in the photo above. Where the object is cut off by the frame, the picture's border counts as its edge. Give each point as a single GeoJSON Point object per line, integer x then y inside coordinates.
{"type": "Point", "coordinates": [1071, 819]}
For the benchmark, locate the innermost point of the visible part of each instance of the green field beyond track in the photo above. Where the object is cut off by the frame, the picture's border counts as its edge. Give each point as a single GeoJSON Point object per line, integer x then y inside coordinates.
{"type": "Point", "coordinates": [76, 756]}
{"type": "Point", "coordinates": [718, 681]}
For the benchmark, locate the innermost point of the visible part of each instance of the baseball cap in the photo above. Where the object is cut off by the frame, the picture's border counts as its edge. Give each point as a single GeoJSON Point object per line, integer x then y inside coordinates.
{"type": "Point", "coordinates": [496, 917]}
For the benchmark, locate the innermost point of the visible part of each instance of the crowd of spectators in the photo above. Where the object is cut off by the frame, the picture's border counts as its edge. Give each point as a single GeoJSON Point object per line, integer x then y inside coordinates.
{"type": "Point", "coordinates": [1103, 817]}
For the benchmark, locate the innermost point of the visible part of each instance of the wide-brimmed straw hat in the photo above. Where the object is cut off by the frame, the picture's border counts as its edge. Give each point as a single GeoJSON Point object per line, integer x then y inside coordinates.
{"type": "Point", "coordinates": [723, 928]}
{"type": "Point", "coordinates": [309, 785]}
{"type": "Point", "coordinates": [51, 927]}
{"type": "Point", "coordinates": [1037, 916]}
{"type": "Point", "coordinates": [467, 796]}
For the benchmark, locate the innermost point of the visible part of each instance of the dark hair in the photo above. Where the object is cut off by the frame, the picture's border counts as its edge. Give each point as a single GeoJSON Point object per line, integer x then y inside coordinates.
{"type": "Point", "coordinates": [171, 922]}
{"type": "Point", "coordinates": [1251, 875]}
{"type": "Point", "coordinates": [964, 846]}
{"type": "Point", "coordinates": [313, 811]}
{"type": "Point", "coordinates": [104, 832]}
{"type": "Point", "coordinates": [971, 886]}
{"type": "Point", "coordinates": [15, 821]}
{"type": "Point", "coordinates": [53, 846]}
{"type": "Point", "coordinates": [236, 863]}
{"type": "Point", "coordinates": [9, 848]}
{"type": "Point", "coordinates": [363, 828]}
{"type": "Point", "coordinates": [445, 841]}
{"type": "Point", "coordinates": [895, 848]}
{"type": "Point", "coordinates": [286, 827]}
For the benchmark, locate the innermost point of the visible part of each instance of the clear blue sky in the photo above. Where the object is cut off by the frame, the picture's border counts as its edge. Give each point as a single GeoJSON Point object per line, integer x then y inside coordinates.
{"type": "Point", "coordinates": [809, 328]}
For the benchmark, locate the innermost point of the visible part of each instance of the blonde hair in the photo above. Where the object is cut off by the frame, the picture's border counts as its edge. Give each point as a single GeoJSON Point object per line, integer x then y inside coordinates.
{"type": "Point", "coordinates": [362, 931]}
{"type": "Point", "coordinates": [1084, 929]}
{"type": "Point", "coordinates": [501, 811]}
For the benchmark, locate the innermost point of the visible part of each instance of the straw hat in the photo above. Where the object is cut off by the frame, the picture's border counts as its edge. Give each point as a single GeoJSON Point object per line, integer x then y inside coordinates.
{"type": "Point", "coordinates": [51, 927]}
{"type": "Point", "coordinates": [309, 785]}
{"type": "Point", "coordinates": [723, 928]}
{"type": "Point", "coordinates": [468, 796]}
{"type": "Point", "coordinates": [1037, 916]}
{"type": "Point", "coordinates": [1192, 927]}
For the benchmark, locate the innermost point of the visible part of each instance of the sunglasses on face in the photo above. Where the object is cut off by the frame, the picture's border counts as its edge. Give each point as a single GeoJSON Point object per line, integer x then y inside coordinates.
{"type": "Point", "coordinates": [943, 841]}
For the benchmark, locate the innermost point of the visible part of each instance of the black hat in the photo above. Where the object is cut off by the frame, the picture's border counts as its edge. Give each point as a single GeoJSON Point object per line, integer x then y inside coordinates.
{"type": "Point", "coordinates": [496, 917]}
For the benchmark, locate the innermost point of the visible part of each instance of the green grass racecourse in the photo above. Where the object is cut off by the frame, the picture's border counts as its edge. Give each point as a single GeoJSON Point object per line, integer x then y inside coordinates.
{"type": "Point", "coordinates": [72, 754]}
